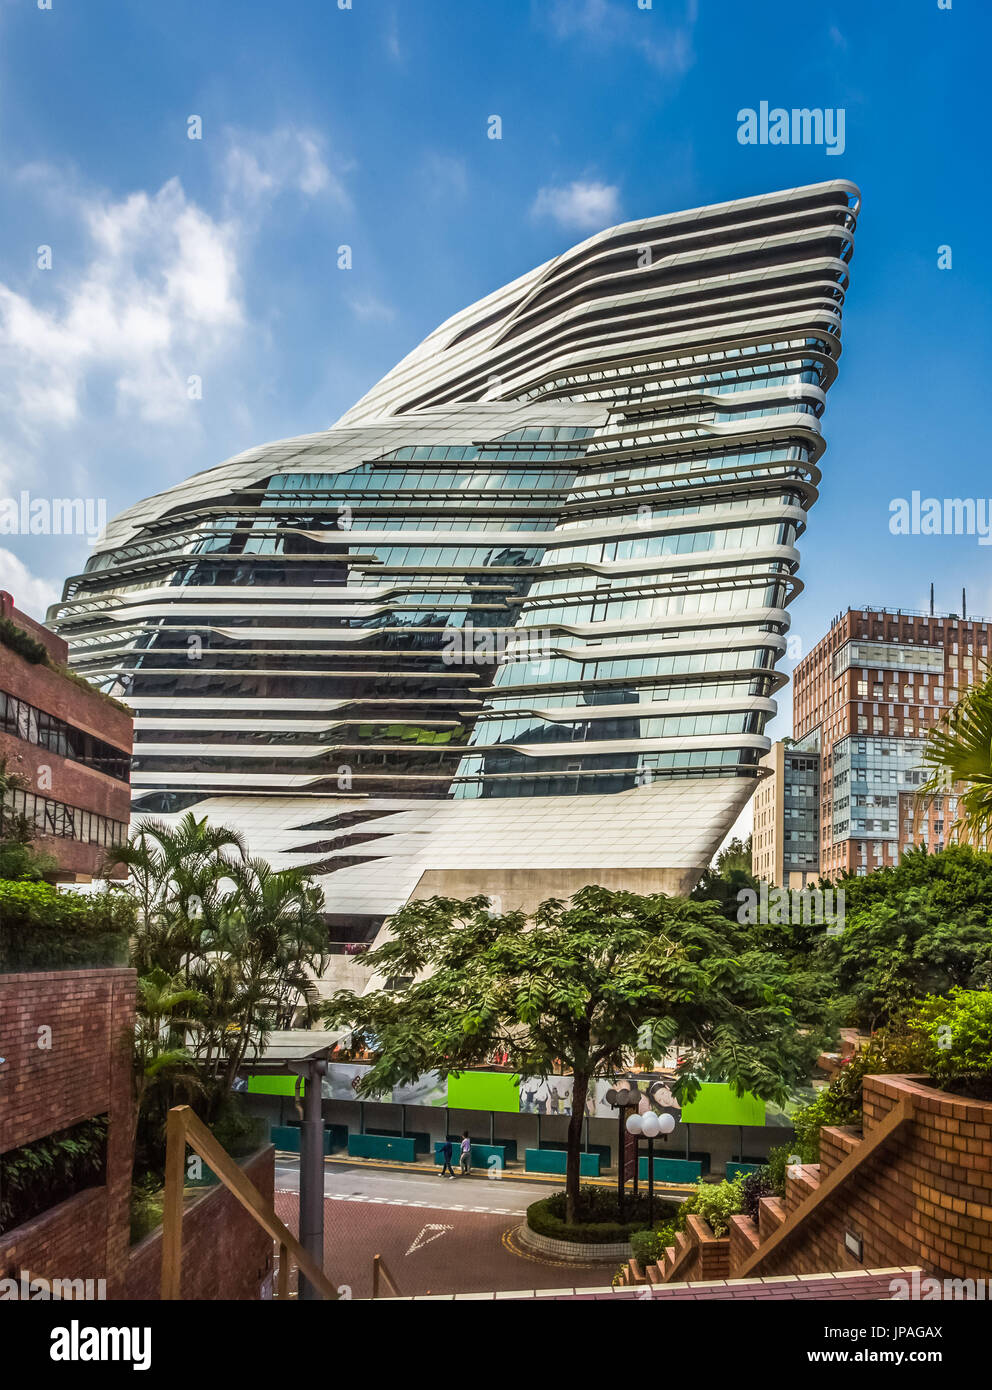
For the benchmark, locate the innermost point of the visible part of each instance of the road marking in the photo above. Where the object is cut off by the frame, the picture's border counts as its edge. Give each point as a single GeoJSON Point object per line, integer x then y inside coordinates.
{"type": "Point", "coordinates": [436, 1231]}
{"type": "Point", "coordinates": [405, 1202]}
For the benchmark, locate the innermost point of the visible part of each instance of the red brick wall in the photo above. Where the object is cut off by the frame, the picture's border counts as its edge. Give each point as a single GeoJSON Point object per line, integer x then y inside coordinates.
{"type": "Point", "coordinates": [57, 649]}
{"type": "Point", "coordinates": [85, 1072]}
{"type": "Point", "coordinates": [923, 1199]}
{"type": "Point", "coordinates": [66, 1242]}
{"type": "Point", "coordinates": [226, 1254]}
{"type": "Point", "coordinates": [65, 780]}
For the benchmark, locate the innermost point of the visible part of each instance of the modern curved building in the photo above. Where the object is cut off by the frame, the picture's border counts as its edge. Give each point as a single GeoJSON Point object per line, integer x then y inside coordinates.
{"type": "Point", "coordinates": [511, 625]}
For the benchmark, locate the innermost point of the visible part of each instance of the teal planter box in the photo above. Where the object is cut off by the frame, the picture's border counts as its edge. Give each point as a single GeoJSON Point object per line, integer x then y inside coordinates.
{"type": "Point", "coordinates": [381, 1146]}
{"type": "Point", "coordinates": [481, 1154]}
{"type": "Point", "coordinates": [421, 1139]}
{"type": "Point", "coordinates": [670, 1170]}
{"type": "Point", "coordinates": [734, 1170]}
{"type": "Point", "coordinates": [287, 1137]}
{"type": "Point", "coordinates": [553, 1161]}
{"type": "Point", "coordinates": [602, 1149]}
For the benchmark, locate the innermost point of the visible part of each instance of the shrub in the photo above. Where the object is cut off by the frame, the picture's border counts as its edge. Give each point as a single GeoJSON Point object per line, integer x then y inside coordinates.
{"type": "Point", "coordinates": [42, 929]}
{"type": "Point", "coordinates": [778, 1162]}
{"type": "Point", "coordinates": [648, 1247]}
{"type": "Point", "coordinates": [21, 642]}
{"type": "Point", "coordinates": [238, 1132]}
{"type": "Point", "coordinates": [956, 1037]}
{"type": "Point", "coordinates": [716, 1203]}
{"type": "Point", "coordinates": [145, 1208]}
{"type": "Point", "coordinates": [50, 1170]}
{"type": "Point", "coordinates": [898, 1048]}
{"type": "Point", "coordinates": [598, 1218]}
{"type": "Point", "coordinates": [753, 1187]}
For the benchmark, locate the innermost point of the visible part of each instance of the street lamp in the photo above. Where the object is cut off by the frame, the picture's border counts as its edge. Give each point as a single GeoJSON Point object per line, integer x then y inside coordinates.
{"type": "Point", "coordinates": [623, 1098]}
{"type": "Point", "coordinates": [650, 1126]}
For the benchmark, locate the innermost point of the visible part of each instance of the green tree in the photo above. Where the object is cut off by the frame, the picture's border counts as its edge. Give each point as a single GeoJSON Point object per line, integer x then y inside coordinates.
{"type": "Point", "coordinates": [176, 877]}
{"type": "Point", "coordinates": [581, 987]}
{"type": "Point", "coordinates": [959, 749]}
{"type": "Point", "coordinates": [921, 927]}
{"type": "Point", "coordinates": [225, 948]}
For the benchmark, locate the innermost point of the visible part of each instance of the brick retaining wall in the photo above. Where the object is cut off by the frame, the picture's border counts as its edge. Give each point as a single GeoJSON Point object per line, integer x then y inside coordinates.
{"type": "Point", "coordinates": [226, 1254]}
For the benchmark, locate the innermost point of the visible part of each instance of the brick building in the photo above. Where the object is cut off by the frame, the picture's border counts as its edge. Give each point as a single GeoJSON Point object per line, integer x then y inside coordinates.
{"type": "Point", "coordinates": [67, 743]}
{"type": "Point", "coordinates": [863, 701]}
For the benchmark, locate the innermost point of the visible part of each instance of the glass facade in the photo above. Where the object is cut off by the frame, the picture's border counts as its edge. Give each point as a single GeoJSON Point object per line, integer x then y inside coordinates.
{"type": "Point", "coordinates": [548, 555]}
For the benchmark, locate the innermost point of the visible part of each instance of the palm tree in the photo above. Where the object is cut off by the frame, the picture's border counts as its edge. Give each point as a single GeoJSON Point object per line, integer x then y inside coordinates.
{"type": "Point", "coordinates": [161, 1057]}
{"type": "Point", "coordinates": [959, 749]}
{"type": "Point", "coordinates": [176, 875]}
{"type": "Point", "coordinates": [268, 946]}
{"type": "Point", "coordinates": [230, 938]}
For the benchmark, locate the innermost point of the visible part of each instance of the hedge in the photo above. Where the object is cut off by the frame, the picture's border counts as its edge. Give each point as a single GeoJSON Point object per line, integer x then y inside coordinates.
{"type": "Point", "coordinates": [42, 929]}
{"type": "Point", "coordinates": [598, 1222]}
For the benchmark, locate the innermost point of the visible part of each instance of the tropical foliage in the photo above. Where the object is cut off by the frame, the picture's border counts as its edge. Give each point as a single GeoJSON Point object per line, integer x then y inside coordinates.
{"type": "Point", "coordinates": [36, 1176]}
{"type": "Point", "coordinates": [226, 949]}
{"type": "Point", "coordinates": [959, 750]}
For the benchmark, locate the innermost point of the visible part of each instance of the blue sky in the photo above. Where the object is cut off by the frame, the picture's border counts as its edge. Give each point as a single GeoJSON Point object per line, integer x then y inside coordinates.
{"type": "Point", "coordinates": [367, 126]}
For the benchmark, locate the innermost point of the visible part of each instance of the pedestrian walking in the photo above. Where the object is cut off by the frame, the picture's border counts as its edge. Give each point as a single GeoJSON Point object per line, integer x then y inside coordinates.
{"type": "Point", "coordinates": [466, 1154]}
{"type": "Point", "coordinates": [446, 1150]}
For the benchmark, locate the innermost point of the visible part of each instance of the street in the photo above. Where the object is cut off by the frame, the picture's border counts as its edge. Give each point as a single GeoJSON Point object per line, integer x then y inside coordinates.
{"type": "Point", "coordinates": [435, 1235]}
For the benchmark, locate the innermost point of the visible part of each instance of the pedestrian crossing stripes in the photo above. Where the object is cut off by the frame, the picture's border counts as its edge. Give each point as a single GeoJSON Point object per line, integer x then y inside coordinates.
{"type": "Point", "coordinates": [404, 1202]}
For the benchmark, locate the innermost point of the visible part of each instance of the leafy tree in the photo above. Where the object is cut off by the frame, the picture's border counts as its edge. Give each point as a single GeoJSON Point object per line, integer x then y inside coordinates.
{"type": "Point", "coordinates": [581, 987]}
{"type": "Point", "coordinates": [725, 879]}
{"type": "Point", "coordinates": [176, 877]}
{"type": "Point", "coordinates": [161, 1057]}
{"type": "Point", "coordinates": [918, 928]}
{"type": "Point", "coordinates": [956, 1037]}
{"type": "Point", "coordinates": [959, 749]}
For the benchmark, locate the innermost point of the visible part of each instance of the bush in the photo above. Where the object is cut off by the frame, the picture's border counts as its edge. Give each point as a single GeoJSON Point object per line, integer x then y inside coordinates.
{"type": "Point", "coordinates": [42, 929]}
{"type": "Point", "coordinates": [716, 1203]}
{"type": "Point", "coordinates": [39, 1175]}
{"type": "Point", "coordinates": [753, 1187]}
{"type": "Point", "coordinates": [145, 1208]}
{"type": "Point", "coordinates": [598, 1220]}
{"type": "Point", "coordinates": [238, 1132]}
{"type": "Point", "coordinates": [956, 1038]}
{"type": "Point", "coordinates": [898, 1048]}
{"type": "Point", "coordinates": [648, 1247]}
{"type": "Point", "coordinates": [22, 643]}
{"type": "Point", "coordinates": [778, 1162]}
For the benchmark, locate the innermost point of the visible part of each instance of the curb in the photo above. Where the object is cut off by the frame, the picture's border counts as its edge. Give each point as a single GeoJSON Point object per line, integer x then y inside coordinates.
{"type": "Point", "coordinates": [556, 1180]}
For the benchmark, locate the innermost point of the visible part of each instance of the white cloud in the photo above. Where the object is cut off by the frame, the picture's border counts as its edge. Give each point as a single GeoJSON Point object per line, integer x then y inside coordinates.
{"type": "Point", "coordinates": [258, 167]}
{"type": "Point", "coordinates": [569, 17]}
{"type": "Point", "coordinates": [157, 298]}
{"type": "Point", "coordinates": [589, 206]}
{"type": "Point", "coordinates": [370, 309]}
{"type": "Point", "coordinates": [31, 595]}
{"type": "Point", "coordinates": [666, 45]}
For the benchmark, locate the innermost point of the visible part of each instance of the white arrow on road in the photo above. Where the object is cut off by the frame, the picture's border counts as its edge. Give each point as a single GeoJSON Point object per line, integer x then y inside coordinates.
{"type": "Point", "coordinates": [423, 1238]}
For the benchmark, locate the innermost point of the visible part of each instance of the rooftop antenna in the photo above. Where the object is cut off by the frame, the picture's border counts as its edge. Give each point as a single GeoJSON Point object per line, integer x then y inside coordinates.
{"type": "Point", "coordinates": [964, 604]}
{"type": "Point", "coordinates": [931, 600]}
